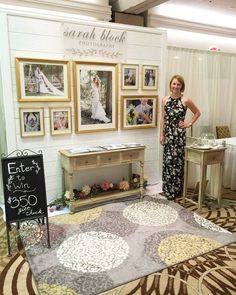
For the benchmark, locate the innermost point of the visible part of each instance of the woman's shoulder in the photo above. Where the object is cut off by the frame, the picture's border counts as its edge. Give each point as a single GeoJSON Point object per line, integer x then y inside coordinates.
{"type": "Point", "coordinates": [186, 101]}
{"type": "Point", "coordinates": [164, 99]}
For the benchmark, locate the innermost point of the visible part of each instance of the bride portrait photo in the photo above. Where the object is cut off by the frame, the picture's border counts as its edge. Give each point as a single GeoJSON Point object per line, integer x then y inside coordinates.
{"type": "Point", "coordinates": [42, 81]}
{"type": "Point", "coordinates": [96, 97]}
{"type": "Point", "coordinates": [98, 111]}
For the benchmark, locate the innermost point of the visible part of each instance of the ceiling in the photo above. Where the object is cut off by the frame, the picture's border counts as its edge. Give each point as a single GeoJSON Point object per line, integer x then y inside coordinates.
{"type": "Point", "coordinates": [220, 6]}
{"type": "Point", "coordinates": [219, 13]}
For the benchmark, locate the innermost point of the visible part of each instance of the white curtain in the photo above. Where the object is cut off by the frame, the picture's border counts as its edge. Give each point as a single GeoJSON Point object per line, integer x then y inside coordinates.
{"type": "Point", "coordinates": [210, 79]}
{"type": "Point", "coordinates": [3, 147]}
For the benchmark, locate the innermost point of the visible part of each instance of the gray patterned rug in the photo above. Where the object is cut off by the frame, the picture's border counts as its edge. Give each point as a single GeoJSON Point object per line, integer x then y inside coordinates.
{"type": "Point", "coordinates": [99, 249]}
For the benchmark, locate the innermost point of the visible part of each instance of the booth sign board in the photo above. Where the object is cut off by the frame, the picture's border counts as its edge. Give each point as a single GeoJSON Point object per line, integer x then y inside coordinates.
{"type": "Point", "coordinates": [24, 190]}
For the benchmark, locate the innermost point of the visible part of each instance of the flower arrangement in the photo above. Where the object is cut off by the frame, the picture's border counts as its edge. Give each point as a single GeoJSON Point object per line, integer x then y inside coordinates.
{"type": "Point", "coordinates": [67, 195]}
{"type": "Point", "coordinates": [94, 190]}
{"type": "Point", "coordinates": [131, 115]}
{"type": "Point", "coordinates": [106, 186]}
{"type": "Point", "coordinates": [57, 203]}
{"type": "Point", "coordinates": [124, 185]}
{"type": "Point", "coordinates": [86, 189]}
{"type": "Point", "coordinates": [135, 181]}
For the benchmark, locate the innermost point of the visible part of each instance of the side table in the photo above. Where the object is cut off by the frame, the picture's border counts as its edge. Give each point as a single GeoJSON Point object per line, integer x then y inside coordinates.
{"type": "Point", "coordinates": [73, 163]}
{"type": "Point", "coordinates": [204, 158]}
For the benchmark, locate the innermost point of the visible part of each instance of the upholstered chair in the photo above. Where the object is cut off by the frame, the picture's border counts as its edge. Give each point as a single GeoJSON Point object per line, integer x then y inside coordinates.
{"type": "Point", "coordinates": [222, 132]}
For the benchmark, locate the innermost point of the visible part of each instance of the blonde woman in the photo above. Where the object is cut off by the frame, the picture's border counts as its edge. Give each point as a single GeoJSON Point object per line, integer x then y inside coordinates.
{"type": "Point", "coordinates": [173, 136]}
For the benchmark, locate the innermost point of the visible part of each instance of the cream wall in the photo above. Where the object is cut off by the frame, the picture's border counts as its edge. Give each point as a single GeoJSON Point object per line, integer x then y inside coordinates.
{"type": "Point", "coordinates": [195, 40]}
{"type": "Point", "coordinates": [34, 36]}
{"type": "Point", "coordinates": [194, 28]}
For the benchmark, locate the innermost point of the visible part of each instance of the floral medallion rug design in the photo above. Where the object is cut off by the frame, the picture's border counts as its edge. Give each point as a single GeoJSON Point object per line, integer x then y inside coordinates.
{"type": "Point", "coordinates": [101, 248]}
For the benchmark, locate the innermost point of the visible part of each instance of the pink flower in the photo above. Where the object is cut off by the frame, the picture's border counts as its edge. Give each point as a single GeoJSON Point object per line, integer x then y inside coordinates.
{"type": "Point", "coordinates": [105, 185]}
{"type": "Point", "coordinates": [82, 195]}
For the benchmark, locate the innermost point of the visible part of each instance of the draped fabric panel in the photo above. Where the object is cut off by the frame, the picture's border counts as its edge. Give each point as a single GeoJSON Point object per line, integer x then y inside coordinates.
{"type": "Point", "coordinates": [210, 82]}
{"type": "Point", "coordinates": [230, 167]}
{"type": "Point", "coordinates": [3, 146]}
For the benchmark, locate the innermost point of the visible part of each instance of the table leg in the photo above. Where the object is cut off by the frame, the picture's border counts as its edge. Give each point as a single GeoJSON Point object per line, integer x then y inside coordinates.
{"type": "Point", "coordinates": [63, 180]}
{"type": "Point", "coordinates": [201, 186]}
{"type": "Point", "coordinates": [141, 178]}
{"type": "Point", "coordinates": [70, 180]}
{"type": "Point", "coordinates": [185, 180]}
{"type": "Point", "coordinates": [130, 172]}
{"type": "Point", "coordinates": [219, 191]}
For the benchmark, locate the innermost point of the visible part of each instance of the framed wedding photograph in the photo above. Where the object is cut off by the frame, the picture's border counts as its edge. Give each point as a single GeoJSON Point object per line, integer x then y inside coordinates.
{"type": "Point", "coordinates": [42, 80]}
{"type": "Point", "coordinates": [129, 77]}
{"type": "Point", "coordinates": [138, 112]}
{"type": "Point", "coordinates": [60, 120]}
{"type": "Point", "coordinates": [95, 96]}
{"type": "Point", "coordinates": [31, 122]}
{"type": "Point", "coordinates": [149, 77]}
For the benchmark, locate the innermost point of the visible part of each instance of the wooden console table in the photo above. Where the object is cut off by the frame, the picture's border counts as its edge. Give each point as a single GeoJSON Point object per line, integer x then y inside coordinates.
{"type": "Point", "coordinates": [78, 162]}
{"type": "Point", "coordinates": [204, 158]}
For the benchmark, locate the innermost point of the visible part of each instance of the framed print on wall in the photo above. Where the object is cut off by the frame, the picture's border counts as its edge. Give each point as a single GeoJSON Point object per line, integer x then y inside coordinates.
{"type": "Point", "coordinates": [139, 112]}
{"type": "Point", "coordinates": [149, 77]}
{"type": "Point", "coordinates": [129, 76]}
{"type": "Point", "coordinates": [60, 120]}
{"type": "Point", "coordinates": [95, 96]}
{"type": "Point", "coordinates": [31, 122]}
{"type": "Point", "coordinates": [42, 80]}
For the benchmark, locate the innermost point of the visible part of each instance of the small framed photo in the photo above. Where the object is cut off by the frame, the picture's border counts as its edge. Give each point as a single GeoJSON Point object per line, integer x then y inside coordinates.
{"type": "Point", "coordinates": [60, 120]}
{"type": "Point", "coordinates": [31, 122]}
{"type": "Point", "coordinates": [129, 76]}
{"type": "Point", "coordinates": [149, 77]}
{"type": "Point", "coordinates": [42, 80]}
{"type": "Point", "coordinates": [95, 96]}
{"type": "Point", "coordinates": [139, 112]}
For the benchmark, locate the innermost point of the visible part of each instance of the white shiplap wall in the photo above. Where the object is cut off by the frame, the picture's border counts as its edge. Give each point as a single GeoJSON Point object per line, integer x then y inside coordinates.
{"type": "Point", "coordinates": [35, 37]}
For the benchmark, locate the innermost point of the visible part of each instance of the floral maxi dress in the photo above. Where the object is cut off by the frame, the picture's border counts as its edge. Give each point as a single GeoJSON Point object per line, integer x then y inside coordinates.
{"type": "Point", "coordinates": [174, 143]}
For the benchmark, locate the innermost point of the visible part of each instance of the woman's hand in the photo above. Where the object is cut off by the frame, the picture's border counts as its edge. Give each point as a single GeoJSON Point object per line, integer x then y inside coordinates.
{"type": "Point", "coordinates": [183, 124]}
{"type": "Point", "coordinates": [162, 139]}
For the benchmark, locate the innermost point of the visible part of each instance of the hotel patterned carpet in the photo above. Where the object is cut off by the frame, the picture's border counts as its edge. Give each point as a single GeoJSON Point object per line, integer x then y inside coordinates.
{"type": "Point", "coordinates": [211, 273]}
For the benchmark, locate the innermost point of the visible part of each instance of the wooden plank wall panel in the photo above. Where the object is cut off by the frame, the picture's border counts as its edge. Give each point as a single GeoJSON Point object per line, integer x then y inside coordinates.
{"type": "Point", "coordinates": [36, 25]}
{"type": "Point", "coordinates": [36, 43]}
{"type": "Point", "coordinates": [38, 38]}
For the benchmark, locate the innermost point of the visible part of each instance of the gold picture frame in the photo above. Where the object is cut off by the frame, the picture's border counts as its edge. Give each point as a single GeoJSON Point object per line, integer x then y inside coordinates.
{"type": "Point", "coordinates": [60, 120]}
{"type": "Point", "coordinates": [150, 77]}
{"type": "Point", "coordinates": [139, 111]}
{"type": "Point", "coordinates": [129, 76]}
{"type": "Point", "coordinates": [42, 80]}
{"type": "Point", "coordinates": [95, 96]}
{"type": "Point", "coordinates": [31, 122]}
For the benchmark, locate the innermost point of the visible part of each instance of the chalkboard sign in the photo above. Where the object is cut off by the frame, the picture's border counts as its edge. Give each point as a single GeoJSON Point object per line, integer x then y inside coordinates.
{"type": "Point", "coordinates": [24, 187]}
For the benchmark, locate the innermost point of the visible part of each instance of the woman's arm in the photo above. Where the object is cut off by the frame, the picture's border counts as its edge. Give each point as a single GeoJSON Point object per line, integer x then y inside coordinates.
{"type": "Point", "coordinates": [162, 123]}
{"type": "Point", "coordinates": [194, 109]}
